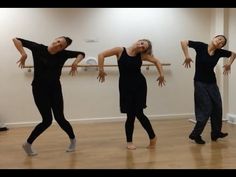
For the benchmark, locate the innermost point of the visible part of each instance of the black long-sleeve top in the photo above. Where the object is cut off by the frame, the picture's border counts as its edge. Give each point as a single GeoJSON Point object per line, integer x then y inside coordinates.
{"type": "Point", "coordinates": [47, 67]}
{"type": "Point", "coordinates": [205, 63]}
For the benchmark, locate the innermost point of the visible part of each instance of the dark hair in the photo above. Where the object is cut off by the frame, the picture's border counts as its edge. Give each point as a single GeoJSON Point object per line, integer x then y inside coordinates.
{"type": "Point", "coordinates": [68, 40]}
{"type": "Point", "coordinates": [223, 37]}
{"type": "Point", "coordinates": [149, 49]}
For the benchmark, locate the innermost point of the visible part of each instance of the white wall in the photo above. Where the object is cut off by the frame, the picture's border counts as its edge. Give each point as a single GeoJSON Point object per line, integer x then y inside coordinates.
{"type": "Point", "coordinates": [220, 24]}
{"type": "Point", "coordinates": [84, 96]}
{"type": "Point", "coordinates": [232, 77]}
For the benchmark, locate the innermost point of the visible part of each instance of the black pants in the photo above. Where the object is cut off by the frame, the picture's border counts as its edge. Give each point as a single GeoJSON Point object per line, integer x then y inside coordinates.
{"type": "Point", "coordinates": [129, 125]}
{"type": "Point", "coordinates": [208, 103]}
{"type": "Point", "coordinates": [48, 98]}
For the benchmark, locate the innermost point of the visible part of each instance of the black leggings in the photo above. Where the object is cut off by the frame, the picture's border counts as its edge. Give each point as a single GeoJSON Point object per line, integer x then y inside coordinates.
{"type": "Point", "coordinates": [129, 125]}
{"type": "Point", "coordinates": [48, 98]}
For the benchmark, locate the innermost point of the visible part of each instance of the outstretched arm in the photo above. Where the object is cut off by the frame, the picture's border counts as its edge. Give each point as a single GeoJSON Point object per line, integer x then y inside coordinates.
{"type": "Point", "coordinates": [227, 66]}
{"type": "Point", "coordinates": [19, 47]}
{"type": "Point", "coordinates": [74, 65]}
{"type": "Point", "coordinates": [156, 62]}
{"type": "Point", "coordinates": [101, 57]}
{"type": "Point", "coordinates": [188, 60]}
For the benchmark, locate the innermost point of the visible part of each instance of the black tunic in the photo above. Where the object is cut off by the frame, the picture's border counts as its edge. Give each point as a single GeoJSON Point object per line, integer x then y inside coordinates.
{"type": "Point", "coordinates": [132, 83]}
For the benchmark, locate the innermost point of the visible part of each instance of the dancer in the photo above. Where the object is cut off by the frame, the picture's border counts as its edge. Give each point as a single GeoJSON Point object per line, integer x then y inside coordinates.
{"type": "Point", "coordinates": [46, 86]}
{"type": "Point", "coordinates": [132, 85]}
{"type": "Point", "coordinates": [207, 98]}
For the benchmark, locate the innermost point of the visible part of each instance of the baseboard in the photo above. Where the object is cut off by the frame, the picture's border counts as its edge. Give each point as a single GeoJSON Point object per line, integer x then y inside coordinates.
{"type": "Point", "coordinates": [106, 119]}
{"type": "Point", "coordinates": [194, 120]}
{"type": "Point", "coordinates": [231, 118]}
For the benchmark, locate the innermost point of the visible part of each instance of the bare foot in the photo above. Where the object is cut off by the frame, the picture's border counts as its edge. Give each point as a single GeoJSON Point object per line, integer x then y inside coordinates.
{"type": "Point", "coordinates": [153, 143]}
{"type": "Point", "coordinates": [131, 146]}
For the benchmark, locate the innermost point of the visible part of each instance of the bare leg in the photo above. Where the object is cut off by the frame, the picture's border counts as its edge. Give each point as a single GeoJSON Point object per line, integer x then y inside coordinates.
{"type": "Point", "coordinates": [153, 143]}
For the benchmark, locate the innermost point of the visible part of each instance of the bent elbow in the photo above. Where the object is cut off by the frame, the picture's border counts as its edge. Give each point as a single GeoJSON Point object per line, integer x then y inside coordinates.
{"type": "Point", "coordinates": [100, 55]}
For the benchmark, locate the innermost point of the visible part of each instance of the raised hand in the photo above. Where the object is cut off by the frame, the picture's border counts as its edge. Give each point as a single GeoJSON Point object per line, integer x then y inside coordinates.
{"type": "Point", "coordinates": [101, 76]}
{"type": "Point", "coordinates": [227, 68]}
{"type": "Point", "coordinates": [21, 61]}
{"type": "Point", "coordinates": [187, 62]}
{"type": "Point", "coordinates": [161, 81]}
{"type": "Point", "coordinates": [73, 70]}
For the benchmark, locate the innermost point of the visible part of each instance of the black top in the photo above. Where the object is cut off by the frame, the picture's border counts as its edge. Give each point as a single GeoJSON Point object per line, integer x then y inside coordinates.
{"type": "Point", "coordinates": [47, 67]}
{"type": "Point", "coordinates": [132, 83]}
{"type": "Point", "coordinates": [205, 63]}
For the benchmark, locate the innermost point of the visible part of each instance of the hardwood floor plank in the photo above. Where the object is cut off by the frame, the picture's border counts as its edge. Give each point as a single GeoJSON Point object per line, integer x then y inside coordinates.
{"type": "Point", "coordinates": [103, 146]}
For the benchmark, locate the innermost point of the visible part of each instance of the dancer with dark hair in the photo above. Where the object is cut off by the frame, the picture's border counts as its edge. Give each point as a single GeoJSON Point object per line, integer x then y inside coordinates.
{"type": "Point", "coordinates": [207, 98]}
{"type": "Point", "coordinates": [46, 86]}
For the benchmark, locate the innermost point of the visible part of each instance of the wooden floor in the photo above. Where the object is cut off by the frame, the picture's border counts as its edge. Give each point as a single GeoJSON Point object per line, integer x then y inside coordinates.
{"type": "Point", "coordinates": [102, 146]}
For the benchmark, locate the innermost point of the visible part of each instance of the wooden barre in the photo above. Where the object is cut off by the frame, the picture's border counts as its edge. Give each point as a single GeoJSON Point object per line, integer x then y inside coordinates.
{"type": "Point", "coordinates": [66, 66]}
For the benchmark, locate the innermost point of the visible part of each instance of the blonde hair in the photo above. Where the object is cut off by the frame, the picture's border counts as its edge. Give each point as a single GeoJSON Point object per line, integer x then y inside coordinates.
{"type": "Point", "coordinates": [149, 49]}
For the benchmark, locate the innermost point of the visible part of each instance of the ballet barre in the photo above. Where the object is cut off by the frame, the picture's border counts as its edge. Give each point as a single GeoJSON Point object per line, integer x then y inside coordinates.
{"type": "Point", "coordinates": [96, 66]}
